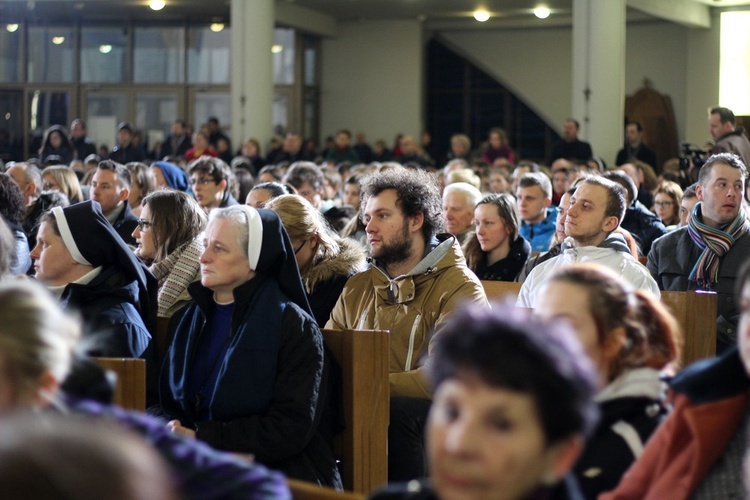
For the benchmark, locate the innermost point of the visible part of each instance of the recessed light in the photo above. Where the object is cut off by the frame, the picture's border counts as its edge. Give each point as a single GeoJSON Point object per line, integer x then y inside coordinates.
{"type": "Point", "coordinates": [156, 4]}
{"type": "Point", "coordinates": [542, 12]}
{"type": "Point", "coordinates": [216, 27]}
{"type": "Point", "coordinates": [12, 28]}
{"type": "Point", "coordinates": [58, 40]}
{"type": "Point", "coordinates": [481, 15]}
{"type": "Point", "coordinates": [105, 49]}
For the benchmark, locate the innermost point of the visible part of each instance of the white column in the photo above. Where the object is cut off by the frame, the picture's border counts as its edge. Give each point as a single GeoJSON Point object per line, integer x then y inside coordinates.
{"type": "Point", "coordinates": [598, 98]}
{"type": "Point", "coordinates": [252, 70]}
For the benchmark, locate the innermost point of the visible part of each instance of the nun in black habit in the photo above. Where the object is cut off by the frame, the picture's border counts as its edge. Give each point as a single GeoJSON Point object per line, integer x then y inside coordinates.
{"type": "Point", "coordinates": [112, 291]}
{"type": "Point", "coordinates": [245, 371]}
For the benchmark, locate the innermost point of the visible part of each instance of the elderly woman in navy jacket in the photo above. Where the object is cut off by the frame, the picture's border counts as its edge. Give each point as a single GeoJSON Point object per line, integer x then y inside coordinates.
{"type": "Point", "coordinates": [245, 371]}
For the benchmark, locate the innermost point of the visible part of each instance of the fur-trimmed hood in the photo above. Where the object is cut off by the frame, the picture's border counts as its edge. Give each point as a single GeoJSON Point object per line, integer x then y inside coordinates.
{"type": "Point", "coordinates": [350, 260]}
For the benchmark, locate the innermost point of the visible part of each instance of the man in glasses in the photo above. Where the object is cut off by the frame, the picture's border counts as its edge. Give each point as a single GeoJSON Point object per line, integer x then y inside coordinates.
{"type": "Point", "coordinates": [211, 181]}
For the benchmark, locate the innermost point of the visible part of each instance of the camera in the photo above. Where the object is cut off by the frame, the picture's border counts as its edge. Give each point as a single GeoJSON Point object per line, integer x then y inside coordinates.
{"type": "Point", "coordinates": [689, 151]}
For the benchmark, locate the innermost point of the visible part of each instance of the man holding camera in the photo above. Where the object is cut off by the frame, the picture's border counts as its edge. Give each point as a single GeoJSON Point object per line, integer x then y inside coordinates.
{"type": "Point", "coordinates": [727, 138]}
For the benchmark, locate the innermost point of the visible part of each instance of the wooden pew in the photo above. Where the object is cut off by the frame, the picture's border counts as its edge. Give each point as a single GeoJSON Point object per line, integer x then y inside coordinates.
{"type": "Point", "coordinates": [302, 490]}
{"type": "Point", "coordinates": [501, 290]}
{"type": "Point", "coordinates": [130, 384]}
{"type": "Point", "coordinates": [363, 445]}
{"type": "Point", "coordinates": [695, 311]}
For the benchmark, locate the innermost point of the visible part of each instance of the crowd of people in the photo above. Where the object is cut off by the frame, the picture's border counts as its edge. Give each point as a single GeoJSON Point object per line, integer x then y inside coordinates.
{"type": "Point", "coordinates": [247, 257]}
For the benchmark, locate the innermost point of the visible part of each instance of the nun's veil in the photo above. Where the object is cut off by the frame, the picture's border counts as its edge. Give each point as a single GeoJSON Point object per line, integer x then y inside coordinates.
{"type": "Point", "coordinates": [270, 253]}
{"type": "Point", "coordinates": [91, 240]}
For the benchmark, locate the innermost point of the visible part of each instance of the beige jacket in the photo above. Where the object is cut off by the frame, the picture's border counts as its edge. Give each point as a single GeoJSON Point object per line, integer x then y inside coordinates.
{"type": "Point", "coordinates": [413, 307]}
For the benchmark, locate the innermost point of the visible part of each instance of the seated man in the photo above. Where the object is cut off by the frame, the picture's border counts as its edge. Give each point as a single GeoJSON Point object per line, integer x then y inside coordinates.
{"type": "Point", "coordinates": [80, 257]}
{"type": "Point", "coordinates": [416, 281]}
{"type": "Point", "coordinates": [698, 451]}
{"type": "Point", "coordinates": [641, 222]}
{"type": "Point", "coordinates": [110, 188]}
{"type": "Point", "coordinates": [707, 254]}
{"type": "Point", "coordinates": [459, 201]}
{"type": "Point", "coordinates": [595, 212]}
{"type": "Point", "coordinates": [534, 199]}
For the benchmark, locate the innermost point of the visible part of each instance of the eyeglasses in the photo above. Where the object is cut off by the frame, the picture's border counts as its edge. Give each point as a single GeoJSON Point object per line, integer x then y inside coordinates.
{"type": "Point", "coordinates": [663, 203]}
{"type": "Point", "coordinates": [144, 224]}
{"type": "Point", "coordinates": [300, 247]}
{"type": "Point", "coordinates": [202, 181]}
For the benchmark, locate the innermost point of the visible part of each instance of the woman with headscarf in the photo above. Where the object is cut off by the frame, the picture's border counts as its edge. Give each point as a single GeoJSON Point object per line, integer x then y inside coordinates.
{"type": "Point", "coordinates": [81, 258]}
{"type": "Point", "coordinates": [245, 371]}
{"type": "Point", "coordinates": [169, 175]}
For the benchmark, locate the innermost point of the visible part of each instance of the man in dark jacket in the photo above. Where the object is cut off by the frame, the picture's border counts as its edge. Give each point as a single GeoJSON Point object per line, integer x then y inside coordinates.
{"type": "Point", "coordinates": [125, 151]}
{"type": "Point", "coordinates": [634, 147]}
{"type": "Point", "coordinates": [178, 141]}
{"type": "Point", "coordinates": [728, 139]}
{"type": "Point", "coordinates": [641, 222]}
{"type": "Point", "coordinates": [110, 187]}
{"type": "Point", "coordinates": [708, 252]}
{"type": "Point", "coordinates": [83, 145]}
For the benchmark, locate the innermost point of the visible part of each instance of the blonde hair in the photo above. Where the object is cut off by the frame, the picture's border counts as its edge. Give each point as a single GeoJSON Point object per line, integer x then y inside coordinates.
{"type": "Point", "coordinates": [68, 181]}
{"type": "Point", "coordinates": [301, 221]}
{"type": "Point", "coordinates": [36, 336]}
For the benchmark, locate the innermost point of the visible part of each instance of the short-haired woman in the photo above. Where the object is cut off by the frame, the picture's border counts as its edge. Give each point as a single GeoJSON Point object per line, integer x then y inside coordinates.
{"type": "Point", "coordinates": [513, 402]}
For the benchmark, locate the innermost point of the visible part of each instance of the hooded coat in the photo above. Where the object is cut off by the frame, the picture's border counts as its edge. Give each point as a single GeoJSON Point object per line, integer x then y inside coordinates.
{"type": "Point", "coordinates": [613, 253]}
{"type": "Point", "coordinates": [325, 280]}
{"type": "Point", "coordinates": [412, 306]}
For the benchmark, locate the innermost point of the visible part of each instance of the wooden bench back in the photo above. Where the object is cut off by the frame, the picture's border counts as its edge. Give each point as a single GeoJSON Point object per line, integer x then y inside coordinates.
{"type": "Point", "coordinates": [130, 386]}
{"type": "Point", "coordinates": [363, 445]}
{"type": "Point", "coordinates": [302, 490]}
{"type": "Point", "coordinates": [695, 311]}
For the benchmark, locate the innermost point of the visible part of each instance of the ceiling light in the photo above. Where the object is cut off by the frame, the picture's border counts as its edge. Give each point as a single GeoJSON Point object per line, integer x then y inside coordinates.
{"type": "Point", "coordinates": [105, 49]}
{"type": "Point", "coordinates": [542, 12]}
{"type": "Point", "coordinates": [276, 48]}
{"type": "Point", "coordinates": [217, 27]}
{"type": "Point", "coordinates": [12, 28]}
{"type": "Point", "coordinates": [156, 4]}
{"type": "Point", "coordinates": [481, 15]}
{"type": "Point", "coordinates": [57, 40]}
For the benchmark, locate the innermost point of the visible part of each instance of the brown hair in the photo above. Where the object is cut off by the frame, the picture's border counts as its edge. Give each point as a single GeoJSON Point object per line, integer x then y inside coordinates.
{"type": "Point", "coordinates": [176, 219]}
{"type": "Point", "coordinates": [653, 336]}
{"type": "Point", "coordinates": [508, 212]}
{"type": "Point", "coordinates": [674, 191]}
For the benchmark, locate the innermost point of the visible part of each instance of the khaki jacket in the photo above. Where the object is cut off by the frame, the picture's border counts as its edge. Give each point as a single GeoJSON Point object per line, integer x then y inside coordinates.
{"type": "Point", "coordinates": [413, 307]}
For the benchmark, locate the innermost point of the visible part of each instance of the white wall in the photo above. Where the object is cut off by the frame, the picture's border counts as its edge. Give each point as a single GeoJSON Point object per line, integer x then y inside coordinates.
{"type": "Point", "coordinates": [372, 72]}
{"type": "Point", "coordinates": [372, 79]}
{"type": "Point", "coordinates": [534, 64]}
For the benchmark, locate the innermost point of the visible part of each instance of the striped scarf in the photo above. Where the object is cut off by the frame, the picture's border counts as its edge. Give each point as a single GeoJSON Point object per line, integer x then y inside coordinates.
{"type": "Point", "coordinates": [715, 244]}
{"type": "Point", "coordinates": [175, 273]}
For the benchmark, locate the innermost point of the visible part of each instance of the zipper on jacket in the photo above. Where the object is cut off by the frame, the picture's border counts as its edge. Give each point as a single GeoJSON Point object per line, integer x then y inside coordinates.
{"type": "Point", "coordinates": [362, 319]}
{"type": "Point", "coordinates": [411, 341]}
